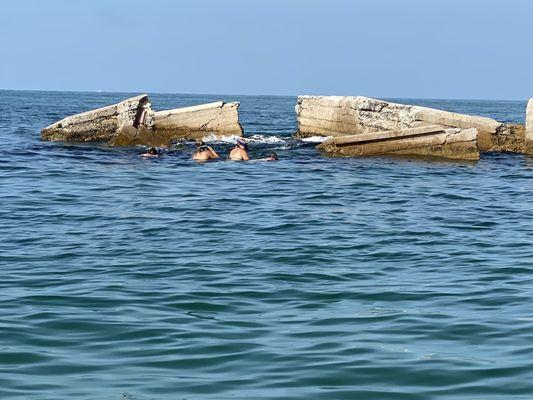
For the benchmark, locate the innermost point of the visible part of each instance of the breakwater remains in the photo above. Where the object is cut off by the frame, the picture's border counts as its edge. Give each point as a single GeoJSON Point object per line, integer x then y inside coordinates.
{"type": "Point", "coordinates": [351, 126]}
{"type": "Point", "coordinates": [133, 122]}
{"type": "Point", "coordinates": [366, 126]}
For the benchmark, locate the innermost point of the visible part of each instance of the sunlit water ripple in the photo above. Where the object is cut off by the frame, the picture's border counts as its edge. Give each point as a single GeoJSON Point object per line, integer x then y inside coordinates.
{"type": "Point", "coordinates": [315, 278]}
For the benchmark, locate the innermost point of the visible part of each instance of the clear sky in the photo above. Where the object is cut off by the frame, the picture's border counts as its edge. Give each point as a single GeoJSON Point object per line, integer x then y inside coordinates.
{"type": "Point", "coordinates": [480, 49]}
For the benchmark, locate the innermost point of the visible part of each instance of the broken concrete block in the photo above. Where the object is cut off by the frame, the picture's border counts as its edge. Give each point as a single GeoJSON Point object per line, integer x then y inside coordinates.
{"type": "Point", "coordinates": [102, 124]}
{"type": "Point", "coordinates": [341, 115]}
{"type": "Point", "coordinates": [195, 122]}
{"type": "Point", "coordinates": [345, 115]}
{"type": "Point", "coordinates": [132, 122]}
{"type": "Point", "coordinates": [429, 140]}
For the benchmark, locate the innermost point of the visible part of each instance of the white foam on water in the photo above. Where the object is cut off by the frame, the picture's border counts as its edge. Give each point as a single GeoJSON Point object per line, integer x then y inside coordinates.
{"type": "Point", "coordinates": [270, 139]}
{"type": "Point", "coordinates": [281, 143]}
{"type": "Point", "coordinates": [315, 139]}
{"type": "Point", "coordinates": [232, 139]}
{"type": "Point", "coordinates": [212, 138]}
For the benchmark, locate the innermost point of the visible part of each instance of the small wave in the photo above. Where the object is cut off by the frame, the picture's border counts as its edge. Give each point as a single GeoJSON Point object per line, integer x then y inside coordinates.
{"type": "Point", "coordinates": [315, 139]}
{"type": "Point", "coordinates": [263, 139]}
{"type": "Point", "coordinates": [271, 139]}
{"type": "Point", "coordinates": [212, 138]}
{"type": "Point", "coordinates": [258, 141]}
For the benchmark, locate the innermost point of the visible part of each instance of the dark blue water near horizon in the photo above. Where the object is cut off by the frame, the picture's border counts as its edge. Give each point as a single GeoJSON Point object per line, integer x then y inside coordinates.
{"type": "Point", "coordinates": [312, 277]}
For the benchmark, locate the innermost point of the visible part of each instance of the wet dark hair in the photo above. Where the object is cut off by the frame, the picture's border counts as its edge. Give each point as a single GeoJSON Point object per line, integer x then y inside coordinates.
{"type": "Point", "coordinates": [153, 151]}
{"type": "Point", "coordinates": [241, 144]}
{"type": "Point", "coordinates": [200, 145]}
{"type": "Point", "coordinates": [274, 156]}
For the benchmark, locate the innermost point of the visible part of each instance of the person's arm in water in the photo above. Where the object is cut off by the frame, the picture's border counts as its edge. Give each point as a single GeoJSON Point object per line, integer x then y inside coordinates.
{"type": "Point", "coordinates": [214, 154]}
{"type": "Point", "coordinates": [244, 155]}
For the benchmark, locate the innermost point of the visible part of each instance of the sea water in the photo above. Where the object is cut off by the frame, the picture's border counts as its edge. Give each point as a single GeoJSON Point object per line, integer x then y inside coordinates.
{"type": "Point", "coordinates": [307, 278]}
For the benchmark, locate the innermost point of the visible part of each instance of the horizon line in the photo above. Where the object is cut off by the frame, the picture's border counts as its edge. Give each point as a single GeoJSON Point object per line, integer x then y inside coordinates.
{"type": "Point", "coordinates": [249, 95]}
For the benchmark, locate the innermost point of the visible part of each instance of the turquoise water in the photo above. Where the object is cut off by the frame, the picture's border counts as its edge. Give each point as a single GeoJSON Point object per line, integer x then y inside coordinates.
{"type": "Point", "coordinates": [315, 278]}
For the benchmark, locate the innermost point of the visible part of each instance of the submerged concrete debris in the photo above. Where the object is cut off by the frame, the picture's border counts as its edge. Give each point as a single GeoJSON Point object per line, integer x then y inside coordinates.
{"type": "Point", "coordinates": [347, 115]}
{"type": "Point", "coordinates": [132, 122]}
{"type": "Point", "coordinates": [429, 140]}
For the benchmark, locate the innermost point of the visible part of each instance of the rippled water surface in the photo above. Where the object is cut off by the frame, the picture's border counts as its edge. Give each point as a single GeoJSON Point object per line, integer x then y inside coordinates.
{"type": "Point", "coordinates": [309, 278]}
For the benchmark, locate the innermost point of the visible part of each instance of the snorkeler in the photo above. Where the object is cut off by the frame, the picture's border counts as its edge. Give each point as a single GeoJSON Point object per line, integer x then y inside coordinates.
{"type": "Point", "coordinates": [152, 152]}
{"type": "Point", "coordinates": [271, 157]}
{"type": "Point", "coordinates": [204, 152]}
{"type": "Point", "coordinates": [240, 151]}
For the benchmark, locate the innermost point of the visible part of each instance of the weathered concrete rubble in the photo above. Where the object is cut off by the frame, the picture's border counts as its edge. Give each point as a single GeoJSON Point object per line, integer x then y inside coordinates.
{"type": "Point", "coordinates": [132, 122]}
{"type": "Point", "coordinates": [345, 115]}
{"type": "Point", "coordinates": [102, 124]}
{"type": "Point", "coordinates": [428, 140]}
{"type": "Point", "coordinates": [195, 122]}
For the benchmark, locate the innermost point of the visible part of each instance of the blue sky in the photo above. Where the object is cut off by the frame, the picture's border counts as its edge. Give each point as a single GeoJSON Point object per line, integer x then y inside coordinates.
{"type": "Point", "coordinates": [480, 49]}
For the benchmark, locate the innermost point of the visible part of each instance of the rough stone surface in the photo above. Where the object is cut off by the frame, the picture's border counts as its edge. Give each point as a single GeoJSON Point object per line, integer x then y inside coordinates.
{"type": "Point", "coordinates": [132, 122]}
{"type": "Point", "coordinates": [195, 122]}
{"type": "Point", "coordinates": [341, 115]}
{"type": "Point", "coordinates": [429, 140]}
{"type": "Point", "coordinates": [101, 124]}
{"type": "Point", "coordinates": [529, 127]}
{"type": "Point", "coordinates": [345, 115]}
{"type": "Point", "coordinates": [507, 138]}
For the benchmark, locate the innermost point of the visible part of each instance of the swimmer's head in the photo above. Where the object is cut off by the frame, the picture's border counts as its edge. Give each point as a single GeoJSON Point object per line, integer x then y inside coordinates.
{"type": "Point", "coordinates": [153, 151]}
{"type": "Point", "coordinates": [273, 156]}
{"type": "Point", "coordinates": [242, 144]}
{"type": "Point", "coordinates": [200, 145]}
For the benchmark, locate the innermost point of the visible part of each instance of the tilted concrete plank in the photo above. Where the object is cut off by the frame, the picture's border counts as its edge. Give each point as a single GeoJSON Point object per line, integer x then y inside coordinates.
{"type": "Point", "coordinates": [377, 136]}
{"type": "Point", "coordinates": [385, 146]}
{"type": "Point", "coordinates": [462, 121]}
{"type": "Point", "coordinates": [449, 143]}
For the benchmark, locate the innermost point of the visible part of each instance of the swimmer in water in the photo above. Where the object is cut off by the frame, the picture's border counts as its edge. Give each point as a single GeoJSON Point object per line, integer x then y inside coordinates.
{"type": "Point", "coordinates": [272, 157]}
{"type": "Point", "coordinates": [240, 151]}
{"type": "Point", "coordinates": [204, 152]}
{"type": "Point", "coordinates": [152, 152]}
